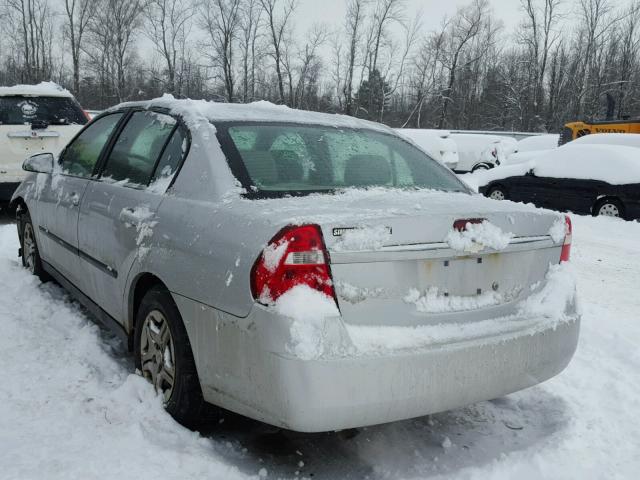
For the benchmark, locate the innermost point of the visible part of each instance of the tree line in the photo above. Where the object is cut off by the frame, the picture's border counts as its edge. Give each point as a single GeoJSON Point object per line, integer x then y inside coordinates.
{"type": "Point", "coordinates": [565, 60]}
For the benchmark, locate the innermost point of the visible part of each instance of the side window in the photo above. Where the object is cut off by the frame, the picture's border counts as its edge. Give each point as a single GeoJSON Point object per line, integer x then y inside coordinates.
{"type": "Point", "coordinates": [170, 160]}
{"type": "Point", "coordinates": [81, 156]}
{"type": "Point", "coordinates": [138, 147]}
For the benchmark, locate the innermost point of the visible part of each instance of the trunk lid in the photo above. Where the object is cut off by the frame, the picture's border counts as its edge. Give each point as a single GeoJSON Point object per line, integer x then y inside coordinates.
{"type": "Point", "coordinates": [412, 267]}
{"type": "Point", "coordinates": [21, 141]}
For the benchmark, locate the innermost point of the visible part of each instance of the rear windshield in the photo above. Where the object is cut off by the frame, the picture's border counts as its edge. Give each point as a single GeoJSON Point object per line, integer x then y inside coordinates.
{"type": "Point", "coordinates": [281, 159]}
{"type": "Point", "coordinates": [18, 110]}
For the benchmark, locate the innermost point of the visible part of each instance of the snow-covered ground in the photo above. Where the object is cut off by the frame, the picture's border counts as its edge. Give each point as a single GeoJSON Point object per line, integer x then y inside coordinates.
{"type": "Point", "coordinates": [69, 407]}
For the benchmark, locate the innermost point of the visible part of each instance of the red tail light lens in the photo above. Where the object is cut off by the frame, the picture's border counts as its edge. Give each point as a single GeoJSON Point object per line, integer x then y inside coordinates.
{"type": "Point", "coordinates": [461, 224]}
{"type": "Point", "coordinates": [566, 246]}
{"type": "Point", "coordinates": [295, 256]}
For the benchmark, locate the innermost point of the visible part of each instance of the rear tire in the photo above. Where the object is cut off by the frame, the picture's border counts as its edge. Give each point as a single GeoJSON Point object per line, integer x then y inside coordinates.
{"type": "Point", "coordinates": [163, 355]}
{"type": "Point", "coordinates": [29, 247]}
{"type": "Point", "coordinates": [609, 207]}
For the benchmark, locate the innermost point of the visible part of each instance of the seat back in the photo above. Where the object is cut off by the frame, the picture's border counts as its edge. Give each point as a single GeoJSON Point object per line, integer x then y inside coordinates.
{"type": "Point", "coordinates": [367, 170]}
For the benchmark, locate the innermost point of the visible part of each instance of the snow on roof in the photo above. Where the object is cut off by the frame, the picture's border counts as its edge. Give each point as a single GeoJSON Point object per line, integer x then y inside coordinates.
{"type": "Point", "coordinates": [538, 142]}
{"type": "Point", "coordinates": [43, 89]}
{"type": "Point", "coordinates": [614, 164]}
{"type": "Point", "coordinates": [195, 112]}
{"type": "Point", "coordinates": [473, 140]}
{"type": "Point", "coordinates": [627, 139]}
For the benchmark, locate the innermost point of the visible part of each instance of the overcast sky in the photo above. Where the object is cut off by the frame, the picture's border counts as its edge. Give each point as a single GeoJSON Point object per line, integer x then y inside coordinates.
{"type": "Point", "coordinates": [332, 12]}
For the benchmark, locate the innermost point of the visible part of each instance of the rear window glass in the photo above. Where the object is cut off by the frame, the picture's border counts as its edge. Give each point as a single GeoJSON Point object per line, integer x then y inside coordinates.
{"type": "Point", "coordinates": [19, 110]}
{"type": "Point", "coordinates": [285, 159]}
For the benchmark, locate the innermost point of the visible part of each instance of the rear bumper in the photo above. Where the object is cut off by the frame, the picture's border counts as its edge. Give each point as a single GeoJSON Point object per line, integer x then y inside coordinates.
{"type": "Point", "coordinates": [7, 189]}
{"type": "Point", "coordinates": [244, 366]}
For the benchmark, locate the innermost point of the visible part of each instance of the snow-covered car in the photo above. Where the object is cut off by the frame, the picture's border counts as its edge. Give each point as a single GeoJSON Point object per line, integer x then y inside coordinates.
{"type": "Point", "coordinates": [33, 119]}
{"type": "Point", "coordinates": [312, 271]}
{"type": "Point", "coordinates": [624, 139]}
{"type": "Point", "coordinates": [587, 179]}
{"type": "Point", "coordinates": [538, 142]}
{"type": "Point", "coordinates": [532, 147]}
{"type": "Point", "coordinates": [481, 152]}
{"type": "Point", "coordinates": [436, 143]}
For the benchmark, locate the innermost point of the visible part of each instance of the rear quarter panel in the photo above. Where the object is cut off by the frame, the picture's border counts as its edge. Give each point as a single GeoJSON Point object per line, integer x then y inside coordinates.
{"type": "Point", "coordinates": [205, 251]}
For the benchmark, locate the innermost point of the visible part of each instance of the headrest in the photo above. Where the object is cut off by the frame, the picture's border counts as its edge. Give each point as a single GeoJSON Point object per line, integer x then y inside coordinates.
{"type": "Point", "coordinates": [367, 170]}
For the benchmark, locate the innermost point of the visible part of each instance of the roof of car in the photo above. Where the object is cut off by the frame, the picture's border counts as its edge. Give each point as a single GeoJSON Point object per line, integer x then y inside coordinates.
{"type": "Point", "coordinates": [195, 111]}
{"type": "Point", "coordinates": [43, 89]}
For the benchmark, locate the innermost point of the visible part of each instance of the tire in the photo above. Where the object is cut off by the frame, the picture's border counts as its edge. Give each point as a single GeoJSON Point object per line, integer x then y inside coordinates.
{"type": "Point", "coordinates": [29, 247]}
{"type": "Point", "coordinates": [480, 166]}
{"type": "Point", "coordinates": [609, 207]}
{"type": "Point", "coordinates": [497, 193]}
{"type": "Point", "coordinates": [162, 351]}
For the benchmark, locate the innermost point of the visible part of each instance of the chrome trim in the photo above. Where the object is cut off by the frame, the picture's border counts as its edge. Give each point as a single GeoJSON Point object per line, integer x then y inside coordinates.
{"type": "Point", "coordinates": [425, 251]}
{"type": "Point", "coordinates": [32, 134]}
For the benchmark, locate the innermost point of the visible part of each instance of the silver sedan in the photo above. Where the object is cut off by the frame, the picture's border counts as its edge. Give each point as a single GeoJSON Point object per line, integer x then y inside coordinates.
{"type": "Point", "coordinates": [312, 271]}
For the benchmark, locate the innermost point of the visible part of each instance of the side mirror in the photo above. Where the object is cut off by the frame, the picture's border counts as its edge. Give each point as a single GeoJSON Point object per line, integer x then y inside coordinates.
{"type": "Point", "coordinates": [40, 163]}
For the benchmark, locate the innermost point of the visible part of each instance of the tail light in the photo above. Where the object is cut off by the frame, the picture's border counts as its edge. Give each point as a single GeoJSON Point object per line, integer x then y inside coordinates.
{"type": "Point", "coordinates": [566, 246]}
{"type": "Point", "coordinates": [86, 115]}
{"type": "Point", "coordinates": [460, 225]}
{"type": "Point", "coordinates": [295, 256]}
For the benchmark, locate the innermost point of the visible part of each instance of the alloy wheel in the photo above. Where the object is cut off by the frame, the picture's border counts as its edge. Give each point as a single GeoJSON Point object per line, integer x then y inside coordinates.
{"type": "Point", "coordinates": [609, 209]}
{"type": "Point", "coordinates": [497, 194]}
{"type": "Point", "coordinates": [157, 354]}
{"type": "Point", "coordinates": [29, 248]}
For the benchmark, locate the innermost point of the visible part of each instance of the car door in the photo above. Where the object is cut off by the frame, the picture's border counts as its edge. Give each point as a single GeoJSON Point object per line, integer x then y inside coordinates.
{"type": "Point", "coordinates": [59, 198]}
{"type": "Point", "coordinates": [117, 213]}
{"type": "Point", "coordinates": [573, 194]}
{"type": "Point", "coordinates": [525, 188]}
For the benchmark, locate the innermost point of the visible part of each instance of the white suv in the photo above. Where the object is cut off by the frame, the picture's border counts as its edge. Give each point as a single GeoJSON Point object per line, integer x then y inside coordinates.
{"type": "Point", "coordinates": [33, 119]}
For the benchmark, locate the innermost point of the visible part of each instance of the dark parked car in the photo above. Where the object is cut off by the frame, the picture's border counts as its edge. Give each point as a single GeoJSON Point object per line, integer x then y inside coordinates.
{"type": "Point", "coordinates": [585, 179]}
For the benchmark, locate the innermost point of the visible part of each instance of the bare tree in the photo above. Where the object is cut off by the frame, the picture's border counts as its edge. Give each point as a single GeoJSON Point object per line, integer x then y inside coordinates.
{"type": "Point", "coordinates": [308, 59]}
{"type": "Point", "coordinates": [629, 46]}
{"type": "Point", "coordinates": [425, 73]}
{"type": "Point", "coordinates": [167, 24]}
{"type": "Point", "coordinates": [385, 13]}
{"type": "Point", "coordinates": [397, 62]}
{"type": "Point", "coordinates": [113, 29]}
{"type": "Point", "coordinates": [539, 35]}
{"type": "Point", "coordinates": [78, 16]}
{"type": "Point", "coordinates": [598, 18]}
{"type": "Point", "coordinates": [278, 28]}
{"type": "Point", "coordinates": [354, 20]}
{"type": "Point", "coordinates": [221, 20]}
{"type": "Point", "coordinates": [250, 13]}
{"type": "Point", "coordinates": [467, 25]}
{"type": "Point", "coordinates": [33, 19]}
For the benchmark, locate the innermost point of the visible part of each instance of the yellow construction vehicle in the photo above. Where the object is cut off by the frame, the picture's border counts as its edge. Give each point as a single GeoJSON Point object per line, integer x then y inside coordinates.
{"type": "Point", "coordinates": [574, 130]}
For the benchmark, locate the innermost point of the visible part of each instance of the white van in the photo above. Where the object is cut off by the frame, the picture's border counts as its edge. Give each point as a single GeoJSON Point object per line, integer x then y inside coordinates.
{"type": "Point", "coordinates": [480, 151]}
{"type": "Point", "coordinates": [33, 119]}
